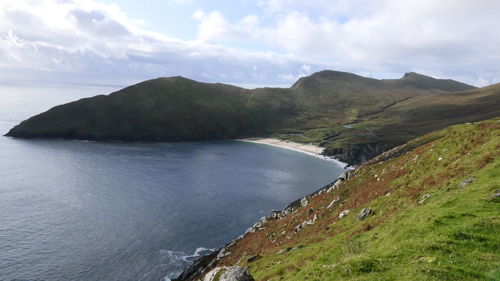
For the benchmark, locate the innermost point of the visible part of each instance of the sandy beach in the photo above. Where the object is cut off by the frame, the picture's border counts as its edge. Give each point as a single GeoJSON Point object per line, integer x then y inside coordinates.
{"type": "Point", "coordinates": [310, 149]}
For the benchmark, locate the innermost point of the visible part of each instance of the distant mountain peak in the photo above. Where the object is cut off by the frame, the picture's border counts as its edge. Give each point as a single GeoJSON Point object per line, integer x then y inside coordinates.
{"type": "Point", "coordinates": [329, 75]}
{"type": "Point", "coordinates": [415, 75]}
{"type": "Point", "coordinates": [421, 81]}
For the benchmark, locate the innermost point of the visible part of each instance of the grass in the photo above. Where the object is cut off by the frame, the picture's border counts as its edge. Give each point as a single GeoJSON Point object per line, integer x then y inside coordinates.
{"type": "Point", "coordinates": [452, 235]}
{"type": "Point", "coordinates": [379, 113]}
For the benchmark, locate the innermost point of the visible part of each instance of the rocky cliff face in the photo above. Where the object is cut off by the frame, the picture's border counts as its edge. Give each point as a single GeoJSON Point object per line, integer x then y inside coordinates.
{"type": "Point", "coordinates": [356, 154]}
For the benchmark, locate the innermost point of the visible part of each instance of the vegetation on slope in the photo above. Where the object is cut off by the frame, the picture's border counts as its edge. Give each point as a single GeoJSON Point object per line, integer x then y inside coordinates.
{"type": "Point", "coordinates": [435, 215]}
{"type": "Point", "coordinates": [352, 116]}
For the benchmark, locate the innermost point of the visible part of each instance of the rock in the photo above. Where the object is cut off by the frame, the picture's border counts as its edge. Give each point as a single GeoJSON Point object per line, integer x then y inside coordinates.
{"type": "Point", "coordinates": [343, 177]}
{"type": "Point", "coordinates": [343, 213]}
{"type": "Point", "coordinates": [335, 185]}
{"type": "Point", "coordinates": [287, 212]}
{"type": "Point", "coordinates": [427, 259]}
{"type": "Point", "coordinates": [258, 225]}
{"type": "Point", "coordinates": [222, 253]}
{"type": "Point", "coordinates": [304, 202]}
{"type": "Point", "coordinates": [197, 267]}
{"type": "Point", "coordinates": [254, 258]}
{"type": "Point", "coordinates": [232, 273]}
{"type": "Point", "coordinates": [497, 194]}
{"type": "Point", "coordinates": [283, 251]}
{"type": "Point", "coordinates": [365, 212]}
{"type": "Point", "coordinates": [273, 215]}
{"type": "Point", "coordinates": [424, 198]}
{"type": "Point", "coordinates": [335, 200]}
{"type": "Point", "coordinates": [310, 211]}
{"type": "Point", "coordinates": [306, 223]}
{"type": "Point", "coordinates": [466, 182]}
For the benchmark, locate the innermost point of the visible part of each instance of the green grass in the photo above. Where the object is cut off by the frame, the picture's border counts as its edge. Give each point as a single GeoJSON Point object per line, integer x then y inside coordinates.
{"type": "Point", "coordinates": [453, 235]}
{"type": "Point", "coordinates": [382, 113]}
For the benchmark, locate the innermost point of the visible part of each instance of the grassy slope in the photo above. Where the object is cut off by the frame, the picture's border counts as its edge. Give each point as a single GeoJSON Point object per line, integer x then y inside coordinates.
{"type": "Point", "coordinates": [453, 235]}
{"type": "Point", "coordinates": [411, 117]}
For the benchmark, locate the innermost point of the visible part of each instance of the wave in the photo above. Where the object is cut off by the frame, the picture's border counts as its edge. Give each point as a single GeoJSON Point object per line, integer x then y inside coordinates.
{"type": "Point", "coordinates": [169, 264]}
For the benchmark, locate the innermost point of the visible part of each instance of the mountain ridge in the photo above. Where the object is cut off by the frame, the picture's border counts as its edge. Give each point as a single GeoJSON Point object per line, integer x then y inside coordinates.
{"type": "Point", "coordinates": [353, 117]}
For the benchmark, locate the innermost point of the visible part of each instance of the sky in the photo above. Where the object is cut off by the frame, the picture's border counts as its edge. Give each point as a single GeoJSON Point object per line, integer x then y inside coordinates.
{"type": "Point", "coordinates": [246, 43]}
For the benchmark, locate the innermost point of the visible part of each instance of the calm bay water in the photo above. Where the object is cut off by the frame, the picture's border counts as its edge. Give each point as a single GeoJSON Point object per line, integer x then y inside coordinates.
{"type": "Point", "coordinates": [75, 210]}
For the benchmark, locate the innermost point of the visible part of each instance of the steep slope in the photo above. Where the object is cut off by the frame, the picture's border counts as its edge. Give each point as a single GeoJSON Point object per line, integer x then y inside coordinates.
{"type": "Point", "coordinates": [161, 109]}
{"type": "Point", "coordinates": [411, 117]}
{"type": "Point", "coordinates": [416, 80]}
{"type": "Point", "coordinates": [426, 210]}
{"type": "Point", "coordinates": [354, 117]}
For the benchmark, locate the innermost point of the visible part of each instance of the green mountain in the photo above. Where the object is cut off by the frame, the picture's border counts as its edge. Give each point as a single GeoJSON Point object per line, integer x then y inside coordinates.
{"type": "Point", "coordinates": [353, 117]}
{"type": "Point", "coordinates": [426, 210]}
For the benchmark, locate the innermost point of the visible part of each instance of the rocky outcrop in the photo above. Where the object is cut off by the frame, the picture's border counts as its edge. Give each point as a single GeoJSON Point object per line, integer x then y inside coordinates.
{"type": "Point", "coordinates": [232, 273]}
{"type": "Point", "coordinates": [306, 223]}
{"type": "Point", "coordinates": [365, 212]}
{"type": "Point", "coordinates": [356, 153]}
{"type": "Point", "coordinates": [197, 268]}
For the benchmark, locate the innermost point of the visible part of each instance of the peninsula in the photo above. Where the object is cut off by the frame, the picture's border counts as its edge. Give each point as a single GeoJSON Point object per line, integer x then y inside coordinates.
{"type": "Point", "coordinates": [353, 118]}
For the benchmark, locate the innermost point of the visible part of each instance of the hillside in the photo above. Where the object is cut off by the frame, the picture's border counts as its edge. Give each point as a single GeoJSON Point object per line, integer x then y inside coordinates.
{"type": "Point", "coordinates": [426, 210]}
{"type": "Point", "coordinates": [353, 117]}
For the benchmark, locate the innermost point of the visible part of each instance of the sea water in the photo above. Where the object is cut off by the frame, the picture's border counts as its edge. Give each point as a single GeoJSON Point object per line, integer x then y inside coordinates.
{"type": "Point", "coordinates": [103, 211]}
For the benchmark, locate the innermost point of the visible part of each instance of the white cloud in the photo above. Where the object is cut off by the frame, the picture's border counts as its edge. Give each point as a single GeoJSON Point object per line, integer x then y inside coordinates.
{"type": "Point", "coordinates": [91, 41]}
{"type": "Point", "coordinates": [214, 27]}
{"type": "Point", "coordinates": [96, 43]}
{"type": "Point", "coordinates": [457, 39]}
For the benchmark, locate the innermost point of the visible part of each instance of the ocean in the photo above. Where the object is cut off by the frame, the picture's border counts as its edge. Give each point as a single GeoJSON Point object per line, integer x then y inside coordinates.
{"type": "Point", "coordinates": [106, 211]}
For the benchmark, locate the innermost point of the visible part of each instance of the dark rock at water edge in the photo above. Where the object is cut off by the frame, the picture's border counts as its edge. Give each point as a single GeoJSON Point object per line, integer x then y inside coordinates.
{"type": "Point", "coordinates": [198, 267]}
{"type": "Point", "coordinates": [356, 153]}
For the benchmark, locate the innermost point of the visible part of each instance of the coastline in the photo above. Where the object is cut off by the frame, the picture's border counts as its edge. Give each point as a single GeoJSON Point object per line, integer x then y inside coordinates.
{"type": "Point", "coordinates": [310, 149]}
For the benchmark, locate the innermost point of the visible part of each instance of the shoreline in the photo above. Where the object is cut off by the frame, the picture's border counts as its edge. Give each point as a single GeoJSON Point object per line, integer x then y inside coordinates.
{"type": "Point", "coordinates": [310, 149]}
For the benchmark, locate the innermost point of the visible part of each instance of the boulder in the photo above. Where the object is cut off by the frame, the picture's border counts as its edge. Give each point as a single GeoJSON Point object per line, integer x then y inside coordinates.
{"type": "Point", "coordinates": [335, 200]}
{"type": "Point", "coordinates": [424, 198]}
{"type": "Point", "coordinates": [306, 223]}
{"type": "Point", "coordinates": [365, 212]}
{"type": "Point", "coordinates": [304, 202]}
{"type": "Point", "coordinates": [287, 212]}
{"type": "Point", "coordinates": [334, 185]}
{"type": "Point", "coordinates": [343, 213]}
{"type": "Point", "coordinates": [466, 182]}
{"type": "Point", "coordinates": [273, 215]}
{"type": "Point", "coordinates": [232, 273]}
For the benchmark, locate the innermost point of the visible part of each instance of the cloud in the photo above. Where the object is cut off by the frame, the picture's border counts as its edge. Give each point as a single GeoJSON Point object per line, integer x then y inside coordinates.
{"type": "Point", "coordinates": [446, 38]}
{"type": "Point", "coordinates": [92, 42]}
{"type": "Point", "coordinates": [213, 27]}
{"type": "Point", "coordinates": [97, 43]}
